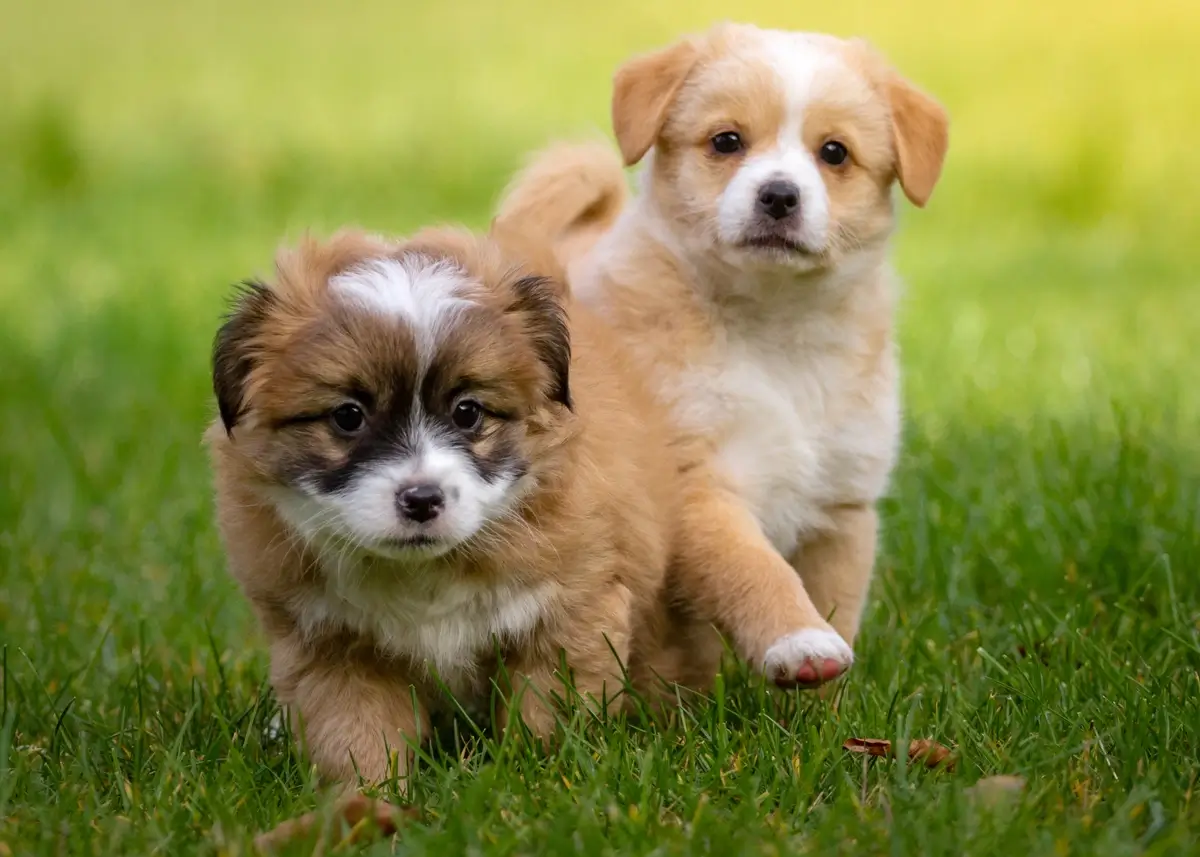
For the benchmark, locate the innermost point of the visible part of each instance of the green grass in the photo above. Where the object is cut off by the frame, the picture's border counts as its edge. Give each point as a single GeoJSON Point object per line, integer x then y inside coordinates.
{"type": "Point", "coordinates": [1037, 599]}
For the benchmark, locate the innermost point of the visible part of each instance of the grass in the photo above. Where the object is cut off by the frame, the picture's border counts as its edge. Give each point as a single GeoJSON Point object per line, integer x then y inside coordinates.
{"type": "Point", "coordinates": [1037, 598]}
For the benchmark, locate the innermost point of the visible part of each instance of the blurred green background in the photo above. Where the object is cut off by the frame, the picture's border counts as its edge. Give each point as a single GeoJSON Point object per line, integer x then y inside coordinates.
{"type": "Point", "coordinates": [151, 154]}
{"type": "Point", "coordinates": [154, 152]}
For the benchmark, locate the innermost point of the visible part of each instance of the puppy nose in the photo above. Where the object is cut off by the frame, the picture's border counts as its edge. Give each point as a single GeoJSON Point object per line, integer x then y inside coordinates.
{"type": "Point", "coordinates": [778, 199]}
{"type": "Point", "coordinates": [421, 503]}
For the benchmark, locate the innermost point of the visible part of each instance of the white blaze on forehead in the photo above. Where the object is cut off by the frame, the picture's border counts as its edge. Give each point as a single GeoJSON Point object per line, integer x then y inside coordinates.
{"type": "Point", "coordinates": [426, 293]}
{"type": "Point", "coordinates": [800, 61]}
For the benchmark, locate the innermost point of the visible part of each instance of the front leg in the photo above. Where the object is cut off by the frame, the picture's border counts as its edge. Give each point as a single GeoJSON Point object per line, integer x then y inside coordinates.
{"type": "Point", "coordinates": [356, 712]}
{"type": "Point", "coordinates": [727, 571]}
{"type": "Point", "coordinates": [594, 635]}
{"type": "Point", "coordinates": [837, 564]}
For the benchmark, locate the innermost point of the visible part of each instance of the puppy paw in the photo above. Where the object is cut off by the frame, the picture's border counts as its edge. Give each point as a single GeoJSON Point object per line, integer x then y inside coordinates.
{"type": "Point", "coordinates": [807, 658]}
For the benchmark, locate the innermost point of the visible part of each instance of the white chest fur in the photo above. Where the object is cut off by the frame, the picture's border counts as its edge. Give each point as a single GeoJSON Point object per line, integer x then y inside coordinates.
{"type": "Point", "coordinates": [798, 425]}
{"type": "Point", "coordinates": [446, 624]}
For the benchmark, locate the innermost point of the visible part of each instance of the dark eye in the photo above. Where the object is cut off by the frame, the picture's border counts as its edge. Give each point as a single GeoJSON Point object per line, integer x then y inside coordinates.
{"type": "Point", "coordinates": [727, 143]}
{"type": "Point", "coordinates": [834, 153]}
{"type": "Point", "coordinates": [348, 418]}
{"type": "Point", "coordinates": [467, 414]}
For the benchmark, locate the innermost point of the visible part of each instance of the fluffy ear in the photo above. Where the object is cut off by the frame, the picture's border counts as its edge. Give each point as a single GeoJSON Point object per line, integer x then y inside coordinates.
{"type": "Point", "coordinates": [643, 90]}
{"type": "Point", "coordinates": [920, 131]}
{"type": "Point", "coordinates": [233, 350]}
{"type": "Point", "coordinates": [537, 299]}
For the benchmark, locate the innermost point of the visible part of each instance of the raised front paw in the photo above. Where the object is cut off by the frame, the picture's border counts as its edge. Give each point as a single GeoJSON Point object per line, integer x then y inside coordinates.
{"type": "Point", "coordinates": [807, 658]}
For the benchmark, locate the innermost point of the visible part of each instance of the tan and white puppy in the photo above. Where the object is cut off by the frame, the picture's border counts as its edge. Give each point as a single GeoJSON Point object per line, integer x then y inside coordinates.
{"type": "Point", "coordinates": [749, 279]}
{"type": "Point", "coordinates": [424, 474]}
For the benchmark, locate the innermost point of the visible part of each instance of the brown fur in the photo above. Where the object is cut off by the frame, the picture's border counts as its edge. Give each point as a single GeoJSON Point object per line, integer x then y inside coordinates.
{"type": "Point", "coordinates": [678, 302]}
{"type": "Point", "coordinates": [598, 525]}
{"type": "Point", "coordinates": [643, 90]}
{"type": "Point", "coordinates": [578, 188]}
{"type": "Point", "coordinates": [922, 137]}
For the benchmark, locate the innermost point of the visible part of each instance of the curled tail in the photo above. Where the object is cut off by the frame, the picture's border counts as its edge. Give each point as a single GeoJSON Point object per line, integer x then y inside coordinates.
{"type": "Point", "coordinates": [565, 198]}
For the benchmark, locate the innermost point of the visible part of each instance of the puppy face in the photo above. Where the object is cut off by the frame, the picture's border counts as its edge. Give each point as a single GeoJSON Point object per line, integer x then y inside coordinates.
{"type": "Point", "coordinates": [395, 398]}
{"type": "Point", "coordinates": [776, 148]}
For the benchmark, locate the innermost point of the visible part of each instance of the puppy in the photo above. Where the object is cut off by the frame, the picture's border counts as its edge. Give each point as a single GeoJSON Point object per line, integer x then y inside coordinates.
{"type": "Point", "coordinates": [750, 279]}
{"type": "Point", "coordinates": [425, 478]}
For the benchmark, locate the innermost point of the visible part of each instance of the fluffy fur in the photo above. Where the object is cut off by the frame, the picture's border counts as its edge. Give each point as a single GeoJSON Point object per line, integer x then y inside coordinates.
{"type": "Point", "coordinates": [540, 530]}
{"type": "Point", "coordinates": [750, 279]}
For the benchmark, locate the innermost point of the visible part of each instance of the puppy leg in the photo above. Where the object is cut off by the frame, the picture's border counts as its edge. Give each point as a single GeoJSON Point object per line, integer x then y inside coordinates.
{"type": "Point", "coordinates": [729, 573]}
{"type": "Point", "coordinates": [596, 647]}
{"type": "Point", "coordinates": [530, 694]}
{"type": "Point", "coordinates": [836, 566]}
{"type": "Point", "coordinates": [679, 659]}
{"type": "Point", "coordinates": [356, 713]}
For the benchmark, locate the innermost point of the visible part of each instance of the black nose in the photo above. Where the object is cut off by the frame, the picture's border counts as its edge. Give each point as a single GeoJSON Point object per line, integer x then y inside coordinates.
{"type": "Point", "coordinates": [778, 199]}
{"type": "Point", "coordinates": [421, 503]}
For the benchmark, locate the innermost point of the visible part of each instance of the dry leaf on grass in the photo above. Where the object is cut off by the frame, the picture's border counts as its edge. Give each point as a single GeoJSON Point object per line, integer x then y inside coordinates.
{"type": "Point", "coordinates": [869, 746]}
{"type": "Point", "coordinates": [932, 754]}
{"type": "Point", "coordinates": [364, 817]}
{"type": "Point", "coordinates": [993, 790]}
{"type": "Point", "coordinates": [929, 753]}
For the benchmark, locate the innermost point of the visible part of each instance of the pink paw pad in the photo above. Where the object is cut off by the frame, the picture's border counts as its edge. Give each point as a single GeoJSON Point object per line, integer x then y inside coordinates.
{"type": "Point", "coordinates": [813, 674]}
{"type": "Point", "coordinates": [807, 658]}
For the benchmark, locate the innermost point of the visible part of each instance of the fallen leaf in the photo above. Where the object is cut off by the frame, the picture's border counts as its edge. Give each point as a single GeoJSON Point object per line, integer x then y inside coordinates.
{"type": "Point", "coordinates": [364, 816]}
{"type": "Point", "coordinates": [869, 746]}
{"type": "Point", "coordinates": [993, 790]}
{"type": "Point", "coordinates": [932, 754]}
{"type": "Point", "coordinates": [929, 753]}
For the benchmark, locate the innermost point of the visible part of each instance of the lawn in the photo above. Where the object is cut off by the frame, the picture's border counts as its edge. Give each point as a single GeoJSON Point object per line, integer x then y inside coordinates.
{"type": "Point", "coordinates": [1038, 597]}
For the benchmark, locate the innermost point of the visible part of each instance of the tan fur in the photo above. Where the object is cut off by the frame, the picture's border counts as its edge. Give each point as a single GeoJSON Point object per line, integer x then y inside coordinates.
{"type": "Point", "coordinates": [570, 184]}
{"type": "Point", "coordinates": [596, 529]}
{"type": "Point", "coordinates": [643, 89]}
{"type": "Point", "coordinates": [820, 334]}
{"type": "Point", "coordinates": [922, 138]}
{"type": "Point", "coordinates": [836, 563]}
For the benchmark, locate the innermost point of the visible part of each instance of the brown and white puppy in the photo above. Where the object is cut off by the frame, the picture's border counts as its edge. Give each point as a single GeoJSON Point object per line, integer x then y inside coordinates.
{"type": "Point", "coordinates": [750, 279]}
{"type": "Point", "coordinates": [423, 474]}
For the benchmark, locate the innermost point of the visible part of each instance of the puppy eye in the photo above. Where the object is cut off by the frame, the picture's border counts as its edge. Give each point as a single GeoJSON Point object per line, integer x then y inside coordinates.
{"type": "Point", "coordinates": [834, 153]}
{"type": "Point", "coordinates": [348, 418]}
{"type": "Point", "coordinates": [467, 414]}
{"type": "Point", "coordinates": [727, 143]}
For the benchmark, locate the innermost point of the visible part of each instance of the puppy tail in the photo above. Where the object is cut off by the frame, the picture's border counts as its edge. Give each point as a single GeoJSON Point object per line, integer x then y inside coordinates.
{"type": "Point", "coordinates": [566, 197]}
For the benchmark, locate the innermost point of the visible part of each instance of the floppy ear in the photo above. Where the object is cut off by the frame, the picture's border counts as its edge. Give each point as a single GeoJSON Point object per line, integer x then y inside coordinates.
{"type": "Point", "coordinates": [537, 298]}
{"type": "Point", "coordinates": [233, 350]}
{"type": "Point", "coordinates": [643, 90]}
{"type": "Point", "coordinates": [921, 135]}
